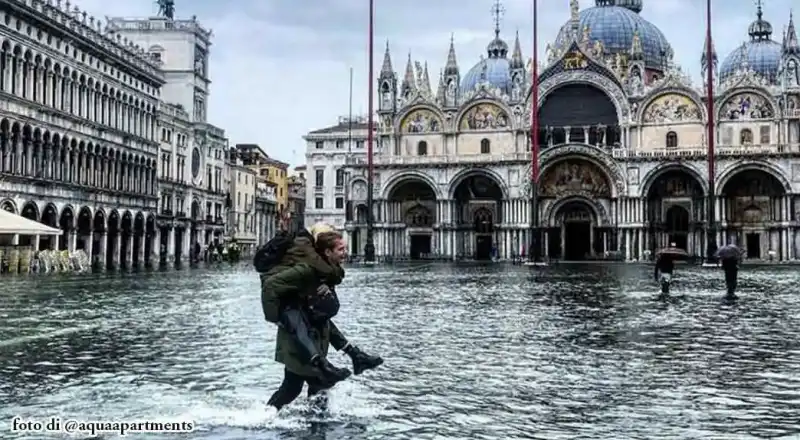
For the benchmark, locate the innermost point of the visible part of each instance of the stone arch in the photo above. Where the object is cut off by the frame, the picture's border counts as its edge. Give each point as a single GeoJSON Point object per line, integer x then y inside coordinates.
{"type": "Point", "coordinates": [590, 154]}
{"type": "Point", "coordinates": [659, 171]}
{"type": "Point", "coordinates": [9, 206]}
{"type": "Point", "coordinates": [741, 166]}
{"type": "Point", "coordinates": [465, 174]}
{"type": "Point", "coordinates": [698, 114]}
{"type": "Point", "coordinates": [126, 222]}
{"type": "Point", "coordinates": [401, 178]}
{"type": "Point", "coordinates": [473, 116]}
{"type": "Point", "coordinates": [196, 213]}
{"type": "Point", "coordinates": [139, 223]}
{"type": "Point", "coordinates": [66, 221]}
{"type": "Point", "coordinates": [586, 77]}
{"type": "Point", "coordinates": [554, 209]}
{"type": "Point", "coordinates": [50, 215]}
{"type": "Point", "coordinates": [726, 103]}
{"type": "Point", "coordinates": [431, 120]}
{"type": "Point", "coordinates": [100, 221]}
{"type": "Point", "coordinates": [31, 211]}
{"type": "Point", "coordinates": [84, 221]}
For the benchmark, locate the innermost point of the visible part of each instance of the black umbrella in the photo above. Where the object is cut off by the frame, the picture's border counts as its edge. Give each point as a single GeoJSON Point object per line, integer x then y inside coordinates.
{"type": "Point", "coordinates": [729, 251]}
{"type": "Point", "coordinates": [673, 252]}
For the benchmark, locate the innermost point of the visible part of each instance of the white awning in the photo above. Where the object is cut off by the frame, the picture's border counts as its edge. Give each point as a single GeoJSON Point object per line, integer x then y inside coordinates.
{"type": "Point", "coordinates": [13, 224]}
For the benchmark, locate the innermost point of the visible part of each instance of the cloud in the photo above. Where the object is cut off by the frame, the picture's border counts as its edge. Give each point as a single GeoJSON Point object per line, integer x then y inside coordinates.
{"type": "Point", "coordinates": [280, 70]}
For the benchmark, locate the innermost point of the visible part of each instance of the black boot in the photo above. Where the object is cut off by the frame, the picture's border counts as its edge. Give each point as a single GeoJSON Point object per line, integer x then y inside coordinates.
{"type": "Point", "coordinates": [361, 360]}
{"type": "Point", "coordinates": [294, 321]}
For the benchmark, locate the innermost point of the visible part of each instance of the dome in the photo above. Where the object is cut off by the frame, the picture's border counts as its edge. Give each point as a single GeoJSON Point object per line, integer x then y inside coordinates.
{"type": "Point", "coordinates": [761, 54]}
{"type": "Point", "coordinates": [614, 26]}
{"type": "Point", "coordinates": [495, 71]}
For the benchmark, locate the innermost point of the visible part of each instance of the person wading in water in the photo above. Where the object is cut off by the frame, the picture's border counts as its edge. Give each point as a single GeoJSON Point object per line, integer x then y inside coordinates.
{"type": "Point", "coordinates": [299, 295]}
{"type": "Point", "coordinates": [665, 266]}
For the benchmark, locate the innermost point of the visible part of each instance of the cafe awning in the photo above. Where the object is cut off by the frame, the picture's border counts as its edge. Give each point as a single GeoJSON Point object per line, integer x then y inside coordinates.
{"type": "Point", "coordinates": [12, 224]}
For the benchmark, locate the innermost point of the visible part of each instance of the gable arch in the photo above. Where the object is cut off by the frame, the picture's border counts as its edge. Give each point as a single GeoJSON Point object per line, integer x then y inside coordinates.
{"type": "Point", "coordinates": [398, 179]}
{"type": "Point", "coordinates": [464, 174]}
{"type": "Point", "coordinates": [466, 107]}
{"type": "Point", "coordinates": [745, 165]}
{"type": "Point", "coordinates": [728, 96]}
{"type": "Point", "coordinates": [688, 94]}
{"type": "Point", "coordinates": [591, 154]}
{"type": "Point", "coordinates": [586, 77]}
{"type": "Point", "coordinates": [408, 111]}
{"type": "Point", "coordinates": [653, 175]}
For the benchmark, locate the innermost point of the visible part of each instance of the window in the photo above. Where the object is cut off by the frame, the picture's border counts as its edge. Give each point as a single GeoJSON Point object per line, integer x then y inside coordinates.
{"type": "Point", "coordinates": [339, 177]}
{"type": "Point", "coordinates": [746, 137]}
{"type": "Point", "coordinates": [486, 146]}
{"type": "Point", "coordinates": [340, 203]}
{"type": "Point", "coordinates": [727, 136]}
{"type": "Point", "coordinates": [319, 145]}
{"type": "Point", "coordinates": [672, 140]}
{"type": "Point", "coordinates": [318, 203]}
{"type": "Point", "coordinates": [764, 135]}
{"type": "Point", "coordinates": [339, 145]}
{"type": "Point", "coordinates": [319, 178]}
{"type": "Point", "coordinates": [359, 144]}
{"type": "Point", "coordinates": [422, 148]}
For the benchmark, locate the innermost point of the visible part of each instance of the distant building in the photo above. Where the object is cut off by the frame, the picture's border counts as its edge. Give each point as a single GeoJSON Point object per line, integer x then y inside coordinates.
{"type": "Point", "coordinates": [328, 150]}
{"type": "Point", "coordinates": [242, 213]}
{"type": "Point", "coordinates": [268, 169]}
{"type": "Point", "coordinates": [295, 212]}
{"type": "Point", "coordinates": [266, 211]}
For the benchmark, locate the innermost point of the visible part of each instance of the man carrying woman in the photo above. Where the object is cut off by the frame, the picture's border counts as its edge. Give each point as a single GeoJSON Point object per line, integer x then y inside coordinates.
{"type": "Point", "coordinates": [299, 295]}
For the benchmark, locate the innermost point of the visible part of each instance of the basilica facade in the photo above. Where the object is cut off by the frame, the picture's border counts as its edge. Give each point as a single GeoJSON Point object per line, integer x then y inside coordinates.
{"type": "Point", "coordinates": [624, 165]}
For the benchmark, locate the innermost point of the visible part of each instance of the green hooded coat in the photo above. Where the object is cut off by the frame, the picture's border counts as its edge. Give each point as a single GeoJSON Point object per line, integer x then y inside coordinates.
{"type": "Point", "coordinates": [300, 273]}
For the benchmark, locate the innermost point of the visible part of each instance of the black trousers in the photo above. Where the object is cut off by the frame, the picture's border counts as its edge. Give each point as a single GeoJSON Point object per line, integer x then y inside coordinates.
{"type": "Point", "coordinates": [292, 386]}
{"type": "Point", "coordinates": [731, 279]}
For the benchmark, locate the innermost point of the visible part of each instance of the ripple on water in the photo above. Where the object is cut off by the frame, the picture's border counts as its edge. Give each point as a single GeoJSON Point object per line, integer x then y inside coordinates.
{"type": "Point", "coordinates": [473, 352]}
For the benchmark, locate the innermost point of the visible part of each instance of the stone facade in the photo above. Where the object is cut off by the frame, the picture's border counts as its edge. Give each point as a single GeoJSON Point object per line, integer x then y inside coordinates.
{"type": "Point", "coordinates": [624, 165]}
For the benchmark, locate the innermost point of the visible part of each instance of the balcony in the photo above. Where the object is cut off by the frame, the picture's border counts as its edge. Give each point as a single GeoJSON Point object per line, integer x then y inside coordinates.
{"type": "Point", "coordinates": [701, 151]}
{"type": "Point", "coordinates": [440, 160]}
{"type": "Point", "coordinates": [166, 212]}
{"type": "Point", "coordinates": [219, 220]}
{"type": "Point", "coordinates": [182, 215]}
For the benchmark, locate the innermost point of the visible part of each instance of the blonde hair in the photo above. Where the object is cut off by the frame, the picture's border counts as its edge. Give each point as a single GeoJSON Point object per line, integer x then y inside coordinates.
{"type": "Point", "coordinates": [320, 228]}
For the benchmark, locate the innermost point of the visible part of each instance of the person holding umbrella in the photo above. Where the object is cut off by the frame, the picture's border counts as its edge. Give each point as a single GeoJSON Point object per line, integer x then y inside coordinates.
{"type": "Point", "coordinates": [729, 257]}
{"type": "Point", "coordinates": [665, 265]}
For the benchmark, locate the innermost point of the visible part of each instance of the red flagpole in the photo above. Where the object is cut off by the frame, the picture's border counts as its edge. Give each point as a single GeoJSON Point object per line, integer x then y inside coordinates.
{"type": "Point", "coordinates": [711, 238]}
{"type": "Point", "coordinates": [536, 246]}
{"type": "Point", "coordinates": [369, 248]}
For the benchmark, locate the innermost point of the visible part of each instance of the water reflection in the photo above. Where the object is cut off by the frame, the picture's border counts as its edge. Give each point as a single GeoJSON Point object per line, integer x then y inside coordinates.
{"type": "Point", "coordinates": [473, 351]}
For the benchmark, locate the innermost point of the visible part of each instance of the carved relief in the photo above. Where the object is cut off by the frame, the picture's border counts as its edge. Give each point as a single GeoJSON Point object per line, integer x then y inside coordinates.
{"type": "Point", "coordinates": [671, 108]}
{"type": "Point", "coordinates": [421, 121]}
{"type": "Point", "coordinates": [575, 176]}
{"type": "Point", "coordinates": [633, 175]}
{"type": "Point", "coordinates": [484, 117]}
{"type": "Point", "coordinates": [747, 106]}
{"type": "Point", "coordinates": [747, 210]}
{"type": "Point", "coordinates": [419, 216]}
{"type": "Point", "coordinates": [359, 190]}
{"type": "Point", "coordinates": [796, 172]}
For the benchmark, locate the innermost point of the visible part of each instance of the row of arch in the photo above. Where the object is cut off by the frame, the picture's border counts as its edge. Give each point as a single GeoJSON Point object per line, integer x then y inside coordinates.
{"type": "Point", "coordinates": [620, 107]}
{"type": "Point", "coordinates": [36, 77]}
{"type": "Point", "coordinates": [30, 151]}
{"type": "Point", "coordinates": [723, 180]}
{"type": "Point", "coordinates": [84, 220]}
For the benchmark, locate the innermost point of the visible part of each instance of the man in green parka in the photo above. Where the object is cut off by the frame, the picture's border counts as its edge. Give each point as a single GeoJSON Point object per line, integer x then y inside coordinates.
{"type": "Point", "coordinates": [299, 294]}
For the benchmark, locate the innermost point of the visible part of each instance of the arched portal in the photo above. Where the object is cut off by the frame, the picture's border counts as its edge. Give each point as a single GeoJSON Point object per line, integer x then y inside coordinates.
{"type": "Point", "coordinates": [578, 113]}
{"type": "Point", "coordinates": [576, 239]}
{"type": "Point", "coordinates": [8, 206]}
{"type": "Point", "coordinates": [114, 241]}
{"type": "Point", "coordinates": [84, 224]}
{"type": "Point", "coordinates": [30, 211]}
{"type": "Point", "coordinates": [66, 222]}
{"type": "Point", "coordinates": [100, 242]}
{"type": "Point", "coordinates": [412, 203]}
{"type": "Point", "coordinates": [126, 245]}
{"type": "Point", "coordinates": [150, 239]}
{"type": "Point", "coordinates": [194, 234]}
{"type": "Point", "coordinates": [138, 238]}
{"type": "Point", "coordinates": [567, 181]}
{"type": "Point", "coordinates": [49, 218]}
{"type": "Point", "coordinates": [755, 207]}
{"type": "Point", "coordinates": [478, 198]}
{"type": "Point", "coordinates": [675, 211]}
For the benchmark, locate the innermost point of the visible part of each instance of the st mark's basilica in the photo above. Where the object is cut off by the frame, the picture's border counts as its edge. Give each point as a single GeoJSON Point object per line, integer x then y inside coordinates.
{"type": "Point", "coordinates": [623, 147]}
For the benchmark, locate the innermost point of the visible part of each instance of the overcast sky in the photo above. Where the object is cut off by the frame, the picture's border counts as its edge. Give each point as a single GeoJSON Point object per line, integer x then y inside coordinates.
{"type": "Point", "coordinates": [280, 68]}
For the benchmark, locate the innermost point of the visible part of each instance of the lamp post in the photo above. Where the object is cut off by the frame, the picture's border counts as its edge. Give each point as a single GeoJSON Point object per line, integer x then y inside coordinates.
{"type": "Point", "coordinates": [711, 234]}
{"type": "Point", "coordinates": [369, 247]}
{"type": "Point", "coordinates": [535, 232]}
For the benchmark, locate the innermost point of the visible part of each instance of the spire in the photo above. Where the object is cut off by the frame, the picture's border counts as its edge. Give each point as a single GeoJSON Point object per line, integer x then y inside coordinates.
{"type": "Point", "coordinates": [425, 87]}
{"type": "Point", "coordinates": [704, 57]}
{"type": "Point", "coordinates": [409, 80]}
{"type": "Point", "coordinates": [790, 44]}
{"type": "Point", "coordinates": [760, 30]}
{"type": "Point", "coordinates": [497, 48]}
{"type": "Point", "coordinates": [516, 57]}
{"type": "Point", "coordinates": [451, 67]}
{"type": "Point", "coordinates": [497, 12]}
{"type": "Point", "coordinates": [387, 61]}
{"type": "Point", "coordinates": [441, 88]}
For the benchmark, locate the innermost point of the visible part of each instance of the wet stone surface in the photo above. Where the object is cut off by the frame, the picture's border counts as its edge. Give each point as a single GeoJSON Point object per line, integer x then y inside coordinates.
{"type": "Point", "coordinates": [472, 352]}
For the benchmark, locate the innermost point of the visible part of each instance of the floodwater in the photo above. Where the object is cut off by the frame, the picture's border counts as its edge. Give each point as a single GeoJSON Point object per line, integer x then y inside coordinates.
{"type": "Point", "coordinates": [472, 352]}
